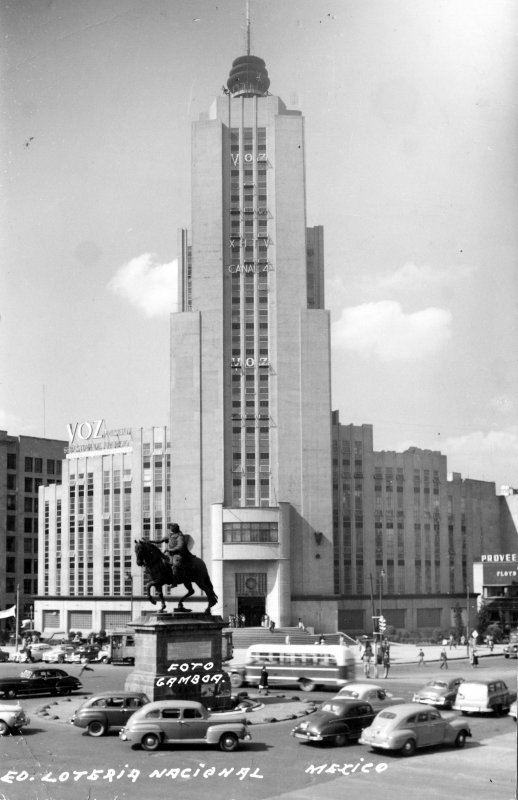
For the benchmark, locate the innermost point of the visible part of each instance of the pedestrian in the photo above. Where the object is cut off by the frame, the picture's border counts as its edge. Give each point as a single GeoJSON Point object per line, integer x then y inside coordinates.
{"type": "Point", "coordinates": [322, 639]}
{"type": "Point", "coordinates": [28, 651]}
{"type": "Point", "coordinates": [443, 659]}
{"type": "Point", "coordinates": [301, 625]}
{"type": "Point", "coordinates": [474, 657]}
{"type": "Point", "coordinates": [242, 620]}
{"type": "Point", "coordinates": [420, 658]}
{"type": "Point", "coordinates": [452, 641]}
{"type": "Point", "coordinates": [287, 640]}
{"type": "Point", "coordinates": [271, 626]}
{"type": "Point", "coordinates": [386, 662]}
{"type": "Point", "coordinates": [367, 658]}
{"type": "Point", "coordinates": [263, 680]}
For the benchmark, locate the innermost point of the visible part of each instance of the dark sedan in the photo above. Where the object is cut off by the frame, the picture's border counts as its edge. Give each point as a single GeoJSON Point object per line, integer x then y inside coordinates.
{"type": "Point", "coordinates": [47, 680]}
{"type": "Point", "coordinates": [337, 721]}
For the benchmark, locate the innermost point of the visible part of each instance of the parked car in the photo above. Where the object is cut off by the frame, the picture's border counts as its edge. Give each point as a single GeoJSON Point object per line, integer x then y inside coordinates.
{"type": "Point", "coordinates": [370, 692]}
{"type": "Point", "coordinates": [4, 655]}
{"type": "Point", "coordinates": [511, 650]}
{"type": "Point", "coordinates": [439, 692]}
{"type": "Point", "coordinates": [108, 710]}
{"type": "Point", "coordinates": [337, 721]}
{"type": "Point", "coordinates": [184, 722]}
{"type": "Point", "coordinates": [409, 726]}
{"type": "Point", "coordinates": [58, 655]}
{"type": "Point", "coordinates": [103, 655]}
{"type": "Point", "coordinates": [484, 697]}
{"type": "Point", "coordinates": [512, 710]}
{"type": "Point", "coordinates": [12, 718]}
{"type": "Point", "coordinates": [84, 654]}
{"type": "Point", "coordinates": [39, 680]}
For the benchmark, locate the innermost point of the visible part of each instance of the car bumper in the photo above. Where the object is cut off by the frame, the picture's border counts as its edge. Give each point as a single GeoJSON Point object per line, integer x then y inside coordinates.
{"type": "Point", "coordinates": [307, 736]}
{"type": "Point", "coordinates": [371, 741]}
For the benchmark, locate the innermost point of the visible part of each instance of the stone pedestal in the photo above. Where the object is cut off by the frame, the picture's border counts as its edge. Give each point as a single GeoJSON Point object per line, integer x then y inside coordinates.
{"type": "Point", "coordinates": [179, 656]}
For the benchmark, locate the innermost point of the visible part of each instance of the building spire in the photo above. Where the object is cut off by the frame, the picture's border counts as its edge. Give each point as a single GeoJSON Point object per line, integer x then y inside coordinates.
{"type": "Point", "coordinates": [248, 76]}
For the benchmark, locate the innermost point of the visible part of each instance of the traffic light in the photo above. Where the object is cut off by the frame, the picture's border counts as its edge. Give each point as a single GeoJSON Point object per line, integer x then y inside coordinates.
{"type": "Point", "coordinates": [382, 623]}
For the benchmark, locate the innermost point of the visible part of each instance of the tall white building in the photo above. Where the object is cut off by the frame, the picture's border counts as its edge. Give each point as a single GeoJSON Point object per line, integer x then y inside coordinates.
{"type": "Point", "coordinates": [250, 359]}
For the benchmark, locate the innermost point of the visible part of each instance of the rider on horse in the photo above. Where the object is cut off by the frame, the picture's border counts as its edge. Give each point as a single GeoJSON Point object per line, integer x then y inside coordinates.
{"type": "Point", "coordinates": [176, 545]}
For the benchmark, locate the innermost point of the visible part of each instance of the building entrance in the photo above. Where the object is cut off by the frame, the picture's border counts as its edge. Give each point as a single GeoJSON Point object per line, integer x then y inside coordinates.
{"type": "Point", "coordinates": [253, 609]}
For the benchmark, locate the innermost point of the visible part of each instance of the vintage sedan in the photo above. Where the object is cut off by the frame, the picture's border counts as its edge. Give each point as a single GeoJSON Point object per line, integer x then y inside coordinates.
{"type": "Point", "coordinates": [337, 721]}
{"type": "Point", "coordinates": [59, 654]}
{"type": "Point", "coordinates": [184, 722]}
{"type": "Point", "coordinates": [410, 726]}
{"type": "Point", "coordinates": [107, 710]}
{"type": "Point", "coordinates": [39, 681]}
{"type": "Point", "coordinates": [84, 654]}
{"type": "Point", "coordinates": [370, 692]}
{"type": "Point", "coordinates": [12, 718]}
{"type": "Point", "coordinates": [439, 692]}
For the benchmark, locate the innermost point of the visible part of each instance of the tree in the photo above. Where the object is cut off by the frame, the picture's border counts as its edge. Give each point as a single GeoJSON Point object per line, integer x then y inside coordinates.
{"type": "Point", "coordinates": [483, 619]}
{"type": "Point", "coordinates": [459, 624]}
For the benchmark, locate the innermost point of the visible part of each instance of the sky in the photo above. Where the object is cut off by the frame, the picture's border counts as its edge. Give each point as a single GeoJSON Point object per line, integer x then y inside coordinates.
{"type": "Point", "coordinates": [411, 128]}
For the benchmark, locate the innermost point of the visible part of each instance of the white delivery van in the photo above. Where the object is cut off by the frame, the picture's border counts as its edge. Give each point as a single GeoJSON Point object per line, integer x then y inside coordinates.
{"type": "Point", "coordinates": [484, 697]}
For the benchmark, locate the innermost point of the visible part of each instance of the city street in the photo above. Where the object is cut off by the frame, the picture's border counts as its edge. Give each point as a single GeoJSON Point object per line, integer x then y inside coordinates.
{"type": "Point", "coordinates": [53, 760]}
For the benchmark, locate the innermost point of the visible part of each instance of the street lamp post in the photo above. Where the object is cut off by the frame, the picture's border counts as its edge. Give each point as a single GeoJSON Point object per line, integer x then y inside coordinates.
{"type": "Point", "coordinates": [129, 577]}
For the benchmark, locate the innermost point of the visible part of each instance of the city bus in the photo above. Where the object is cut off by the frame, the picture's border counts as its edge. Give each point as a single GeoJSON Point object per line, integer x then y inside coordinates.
{"type": "Point", "coordinates": [119, 649]}
{"type": "Point", "coordinates": [307, 665]}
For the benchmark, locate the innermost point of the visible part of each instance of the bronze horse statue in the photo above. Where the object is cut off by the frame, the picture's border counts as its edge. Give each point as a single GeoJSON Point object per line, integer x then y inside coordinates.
{"type": "Point", "coordinates": [161, 573]}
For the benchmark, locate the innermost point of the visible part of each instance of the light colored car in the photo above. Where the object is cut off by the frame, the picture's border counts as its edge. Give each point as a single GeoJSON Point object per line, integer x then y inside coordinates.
{"type": "Point", "coordinates": [410, 726]}
{"type": "Point", "coordinates": [439, 692]}
{"type": "Point", "coordinates": [58, 655]}
{"type": "Point", "coordinates": [484, 697]}
{"type": "Point", "coordinates": [12, 718]}
{"type": "Point", "coordinates": [184, 722]}
{"type": "Point", "coordinates": [108, 710]}
{"type": "Point", "coordinates": [512, 710]}
{"type": "Point", "coordinates": [374, 694]}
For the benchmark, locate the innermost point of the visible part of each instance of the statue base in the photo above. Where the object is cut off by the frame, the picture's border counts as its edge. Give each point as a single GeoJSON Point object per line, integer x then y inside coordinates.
{"type": "Point", "coordinates": [179, 656]}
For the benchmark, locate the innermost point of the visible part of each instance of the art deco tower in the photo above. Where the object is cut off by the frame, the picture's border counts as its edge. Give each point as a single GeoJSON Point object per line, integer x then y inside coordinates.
{"type": "Point", "coordinates": [250, 360]}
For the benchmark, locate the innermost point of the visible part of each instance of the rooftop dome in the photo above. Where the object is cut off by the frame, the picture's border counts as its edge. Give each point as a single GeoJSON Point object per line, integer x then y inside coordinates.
{"type": "Point", "coordinates": [248, 77]}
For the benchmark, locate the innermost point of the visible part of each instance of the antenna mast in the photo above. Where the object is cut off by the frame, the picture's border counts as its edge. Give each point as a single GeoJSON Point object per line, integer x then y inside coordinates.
{"type": "Point", "coordinates": [248, 27]}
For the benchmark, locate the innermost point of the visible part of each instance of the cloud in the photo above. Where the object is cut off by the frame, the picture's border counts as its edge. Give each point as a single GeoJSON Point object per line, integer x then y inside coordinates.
{"type": "Point", "coordinates": [148, 284]}
{"type": "Point", "coordinates": [503, 403]}
{"type": "Point", "coordinates": [488, 456]}
{"type": "Point", "coordinates": [411, 276]}
{"type": "Point", "coordinates": [384, 330]}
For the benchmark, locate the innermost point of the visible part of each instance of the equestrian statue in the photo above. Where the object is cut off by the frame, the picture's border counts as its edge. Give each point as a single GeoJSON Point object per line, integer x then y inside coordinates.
{"type": "Point", "coordinates": [173, 568]}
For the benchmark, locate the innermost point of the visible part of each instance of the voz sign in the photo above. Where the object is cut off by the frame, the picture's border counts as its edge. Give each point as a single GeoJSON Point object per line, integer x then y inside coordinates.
{"type": "Point", "coordinates": [86, 430]}
{"type": "Point", "coordinates": [248, 158]}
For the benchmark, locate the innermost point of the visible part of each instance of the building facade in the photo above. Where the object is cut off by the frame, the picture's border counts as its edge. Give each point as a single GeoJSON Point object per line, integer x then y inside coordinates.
{"type": "Point", "coordinates": [405, 537]}
{"type": "Point", "coordinates": [115, 488]}
{"type": "Point", "coordinates": [250, 359]}
{"type": "Point", "coordinates": [26, 463]}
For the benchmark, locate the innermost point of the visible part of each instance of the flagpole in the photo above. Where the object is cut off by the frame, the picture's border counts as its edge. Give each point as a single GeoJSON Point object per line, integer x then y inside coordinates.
{"type": "Point", "coordinates": [17, 616]}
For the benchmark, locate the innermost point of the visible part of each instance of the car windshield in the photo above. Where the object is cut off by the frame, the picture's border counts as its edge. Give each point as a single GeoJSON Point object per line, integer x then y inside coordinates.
{"type": "Point", "coordinates": [27, 673]}
{"type": "Point", "coordinates": [437, 685]}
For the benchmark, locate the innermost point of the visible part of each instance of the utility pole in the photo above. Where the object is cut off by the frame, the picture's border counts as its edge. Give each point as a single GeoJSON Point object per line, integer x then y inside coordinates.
{"type": "Point", "coordinates": [373, 631]}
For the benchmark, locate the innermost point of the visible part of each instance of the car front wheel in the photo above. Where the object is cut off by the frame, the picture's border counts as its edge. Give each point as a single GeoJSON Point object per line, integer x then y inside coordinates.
{"type": "Point", "coordinates": [460, 741]}
{"type": "Point", "coordinates": [340, 739]}
{"type": "Point", "coordinates": [306, 685]}
{"type": "Point", "coordinates": [10, 693]}
{"type": "Point", "coordinates": [96, 728]}
{"type": "Point", "coordinates": [228, 742]}
{"type": "Point", "coordinates": [408, 748]}
{"type": "Point", "coordinates": [150, 741]}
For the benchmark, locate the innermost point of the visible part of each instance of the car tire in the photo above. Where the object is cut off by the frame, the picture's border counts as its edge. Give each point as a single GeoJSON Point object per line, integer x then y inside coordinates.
{"type": "Point", "coordinates": [236, 680]}
{"type": "Point", "coordinates": [340, 740]}
{"type": "Point", "coordinates": [408, 748]}
{"type": "Point", "coordinates": [228, 742]}
{"type": "Point", "coordinates": [464, 713]}
{"type": "Point", "coordinates": [460, 741]}
{"type": "Point", "coordinates": [306, 685]}
{"type": "Point", "coordinates": [150, 741]}
{"type": "Point", "coordinates": [11, 694]}
{"type": "Point", "coordinates": [64, 691]}
{"type": "Point", "coordinates": [4, 728]}
{"type": "Point", "coordinates": [96, 728]}
{"type": "Point", "coordinates": [104, 660]}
